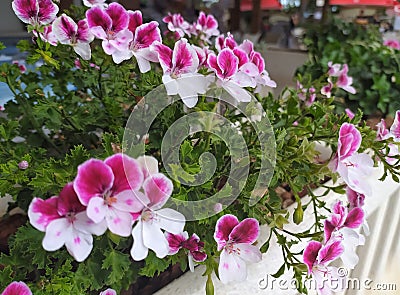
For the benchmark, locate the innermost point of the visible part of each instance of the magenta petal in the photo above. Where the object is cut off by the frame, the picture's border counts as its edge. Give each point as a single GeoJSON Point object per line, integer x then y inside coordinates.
{"type": "Point", "coordinates": [349, 141]}
{"type": "Point", "coordinates": [83, 33]}
{"type": "Point", "coordinates": [158, 189]}
{"type": "Point", "coordinates": [68, 201]}
{"type": "Point", "coordinates": [310, 254]}
{"type": "Point", "coordinates": [94, 179]}
{"type": "Point", "coordinates": [26, 10]}
{"type": "Point", "coordinates": [42, 212]}
{"type": "Point", "coordinates": [127, 173]}
{"type": "Point", "coordinates": [175, 242]}
{"type": "Point", "coordinates": [258, 60]}
{"type": "Point", "coordinates": [246, 231]}
{"type": "Point", "coordinates": [97, 17]}
{"type": "Point", "coordinates": [355, 218]}
{"type": "Point", "coordinates": [330, 252]}
{"type": "Point", "coordinates": [135, 20]}
{"type": "Point", "coordinates": [146, 34]}
{"type": "Point", "coordinates": [119, 17]}
{"type": "Point", "coordinates": [355, 199]}
{"type": "Point", "coordinates": [223, 228]}
{"type": "Point", "coordinates": [228, 63]}
{"type": "Point", "coordinates": [328, 230]}
{"type": "Point", "coordinates": [65, 29]}
{"type": "Point", "coordinates": [198, 256]}
{"type": "Point", "coordinates": [212, 63]}
{"type": "Point", "coordinates": [47, 11]}
{"type": "Point", "coordinates": [182, 58]}
{"type": "Point", "coordinates": [164, 55]}
{"type": "Point", "coordinates": [17, 288]}
{"type": "Point", "coordinates": [241, 55]}
{"type": "Point", "coordinates": [395, 128]}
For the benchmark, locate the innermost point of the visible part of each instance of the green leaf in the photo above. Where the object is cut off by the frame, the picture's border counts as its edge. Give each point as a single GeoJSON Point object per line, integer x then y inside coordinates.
{"type": "Point", "coordinates": [153, 265]}
{"type": "Point", "coordinates": [280, 271]}
{"type": "Point", "coordinates": [118, 263]}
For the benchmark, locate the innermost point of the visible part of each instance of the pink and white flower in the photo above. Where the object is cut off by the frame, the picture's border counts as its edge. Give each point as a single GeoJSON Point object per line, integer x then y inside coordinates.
{"type": "Point", "coordinates": [35, 12]}
{"type": "Point", "coordinates": [334, 69]}
{"type": "Point", "coordinates": [317, 257]}
{"type": "Point", "coordinates": [144, 35]}
{"type": "Point", "coordinates": [393, 43]}
{"type": "Point", "coordinates": [147, 233]}
{"type": "Point", "coordinates": [341, 225]}
{"type": "Point", "coordinates": [91, 3]}
{"type": "Point", "coordinates": [110, 189]}
{"type": "Point", "coordinates": [222, 42]}
{"type": "Point", "coordinates": [382, 132]}
{"type": "Point", "coordinates": [111, 26]}
{"type": "Point", "coordinates": [64, 220]}
{"type": "Point", "coordinates": [77, 35]}
{"type": "Point", "coordinates": [353, 167]}
{"type": "Point", "coordinates": [192, 245]}
{"type": "Point", "coordinates": [226, 67]}
{"type": "Point", "coordinates": [207, 25]}
{"type": "Point", "coordinates": [395, 128]}
{"type": "Point", "coordinates": [148, 164]}
{"type": "Point", "coordinates": [176, 23]}
{"type": "Point", "coordinates": [17, 288]}
{"type": "Point", "coordinates": [344, 81]}
{"type": "Point", "coordinates": [235, 239]}
{"type": "Point", "coordinates": [108, 292]}
{"type": "Point", "coordinates": [260, 74]}
{"type": "Point", "coordinates": [327, 89]}
{"type": "Point", "coordinates": [349, 113]}
{"type": "Point", "coordinates": [180, 71]}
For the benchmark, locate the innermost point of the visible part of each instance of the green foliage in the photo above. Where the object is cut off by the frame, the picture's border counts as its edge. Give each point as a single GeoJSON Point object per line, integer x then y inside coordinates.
{"type": "Point", "coordinates": [373, 66]}
{"type": "Point", "coordinates": [84, 116]}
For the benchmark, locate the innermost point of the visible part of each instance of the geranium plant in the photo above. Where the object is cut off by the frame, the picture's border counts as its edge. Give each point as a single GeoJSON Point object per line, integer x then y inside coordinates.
{"type": "Point", "coordinates": [133, 149]}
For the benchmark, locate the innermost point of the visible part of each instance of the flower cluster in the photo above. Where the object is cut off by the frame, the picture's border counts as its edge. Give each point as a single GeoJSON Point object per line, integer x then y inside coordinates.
{"type": "Point", "coordinates": [124, 36]}
{"type": "Point", "coordinates": [340, 241]}
{"type": "Point", "coordinates": [20, 288]}
{"type": "Point", "coordinates": [337, 76]}
{"type": "Point", "coordinates": [114, 194]}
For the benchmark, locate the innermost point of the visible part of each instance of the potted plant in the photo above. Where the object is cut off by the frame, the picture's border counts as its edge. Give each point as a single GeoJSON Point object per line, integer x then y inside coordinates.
{"type": "Point", "coordinates": [132, 152]}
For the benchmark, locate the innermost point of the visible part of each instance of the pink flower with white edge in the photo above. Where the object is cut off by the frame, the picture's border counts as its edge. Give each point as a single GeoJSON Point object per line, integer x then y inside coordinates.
{"type": "Point", "coordinates": [111, 26]}
{"type": "Point", "coordinates": [247, 46]}
{"type": "Point", "coordinates": [334, 69]}
{"type": "Point", "coordinates": [341, 225]}
{"type": "Point", "coordinates": [222, 42]}
{"type": "Point", "coordinates": [192, 245]}
{"type": "Point", "coordinates": [64, 220]}
{"type": "Point", "coordinates": [147, 233]}
{"type": "Point", "coordinates": [263, 80]}
{"type": "Point", "coordinates": [180, 71]}
{"type": "Point", "coordinates": [144, 35]}
{"type": "Point", "coordinates": [344, 81]}
{"type": "Point", "coordinates": [207, 25]}
{"type": "Point", "coordinates": [21, 66]}
{"type": "Point", "coordinates": [176, 23]}
{"type": "Point", "coordinates": [327, 89]}
{"type": "Point", "coordinates": [148, 164]}
{"type": "Point", "coordinates": [317, 257]}
{"type": "Point", "coordinates": [382, 132]}
{"type": "Point", "coordinates": [235, 239]}
{"type": "Point", "coordinates": [349, 141]}
{"type": "Point", "coordinates": [356, 200]}
{"type": "Point", "coordinates": [226, 68]}
{"type": "Point", "coordinates": [353, 167]}
{"type": "Point", "coordinates": [77, 35]}
{"type": "Point", "coordinates": [395, 128]}
{"type": "Point", "coordinates": [35, 12]}
{"type": "Point", "coordinates": [108, 292]}
{"type": "Point", "coordinates": [349, 113]}
{"type": "Point", "coordinates": [91, 3]}
{"type": "Point", "coordinates": [110, 189]}
{"type": "Point", "coordinates": [393, 43]}
{"type": "Point", "coordinates": [17, 288]}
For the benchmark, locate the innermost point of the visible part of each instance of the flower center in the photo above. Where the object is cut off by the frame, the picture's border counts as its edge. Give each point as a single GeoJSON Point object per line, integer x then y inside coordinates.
{"type": "Point", "coordinates": [147, 216]}
{"type": "Point", "coordinates": [70, 216]}
{"type": "Point", "coordinates": [230, 248]}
